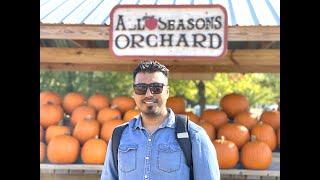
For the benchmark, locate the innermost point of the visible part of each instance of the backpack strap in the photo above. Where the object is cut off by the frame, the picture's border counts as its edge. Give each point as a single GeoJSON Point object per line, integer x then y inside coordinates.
{"type": "Point", "coordinates": [116, 136]}
{"type": "Point", "coordinates": [182, 134]}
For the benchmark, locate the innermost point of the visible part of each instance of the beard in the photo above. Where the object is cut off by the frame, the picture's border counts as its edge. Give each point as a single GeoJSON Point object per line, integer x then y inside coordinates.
{"type": "Point", "coordinates": [152, 111]}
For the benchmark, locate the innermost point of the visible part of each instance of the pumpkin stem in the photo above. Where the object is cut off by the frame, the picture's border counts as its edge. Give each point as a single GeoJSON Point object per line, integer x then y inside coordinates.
{"type": "Point", "coordinates": [60, 123]}
{"type": "Point", "coordinates": [88, 117]}
{"type": "Point", "coordinates": [222, 138]}
{"type": "Point", "coordinates": [114, 106]}
{"type": "Point", "coordinates": [50, 103]}
{"type": "Point", "coordinates": [67, 133]}
{"type": "Point", "coordinates": [253, 138]}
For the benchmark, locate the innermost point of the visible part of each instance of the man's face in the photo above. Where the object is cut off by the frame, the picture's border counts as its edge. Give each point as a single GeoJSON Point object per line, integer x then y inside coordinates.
{"type": "Point", "coordinates": [151, 104]}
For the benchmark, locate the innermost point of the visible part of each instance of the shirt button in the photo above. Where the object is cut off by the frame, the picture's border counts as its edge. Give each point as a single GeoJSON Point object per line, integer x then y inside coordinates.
{"type": "Point", "coordinates": [147, 157]}
{"type": "Point", "coordinates": [145, 176]}
{"type": "Point", "coordinates": [149, 139]}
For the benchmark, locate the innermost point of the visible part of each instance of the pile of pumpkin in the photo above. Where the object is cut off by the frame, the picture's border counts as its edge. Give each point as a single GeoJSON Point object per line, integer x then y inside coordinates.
{"type": "Point", "coordinates": [76, 127]}
{"type": "Point", "coordinates": [239, 135]}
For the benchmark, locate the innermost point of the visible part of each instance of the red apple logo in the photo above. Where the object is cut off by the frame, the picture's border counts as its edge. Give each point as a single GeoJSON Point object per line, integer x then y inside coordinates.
{"type": "Point", "coordinates": [150, 22]}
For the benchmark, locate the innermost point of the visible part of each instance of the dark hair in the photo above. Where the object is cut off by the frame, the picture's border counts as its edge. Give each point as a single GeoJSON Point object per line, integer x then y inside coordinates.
{"type": "Point", "coordinates": [150, 67]}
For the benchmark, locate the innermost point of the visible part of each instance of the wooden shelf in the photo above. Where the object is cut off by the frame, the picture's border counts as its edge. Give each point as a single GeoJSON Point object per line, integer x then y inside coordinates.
{"type": "Point", "coordinates": [273, 171]}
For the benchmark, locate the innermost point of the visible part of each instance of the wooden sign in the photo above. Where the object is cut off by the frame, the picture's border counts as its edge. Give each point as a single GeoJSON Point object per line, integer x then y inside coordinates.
{"type": "Point", "coordinates": [168, 31]}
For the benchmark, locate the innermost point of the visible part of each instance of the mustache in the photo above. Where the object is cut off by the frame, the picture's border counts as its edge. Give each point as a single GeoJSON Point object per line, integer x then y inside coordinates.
{"type": "Point", "coordinates": [150, 99]}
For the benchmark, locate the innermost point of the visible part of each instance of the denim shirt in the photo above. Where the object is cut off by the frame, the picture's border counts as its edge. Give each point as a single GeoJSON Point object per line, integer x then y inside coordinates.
{"type": "Point", "coordinates": [142, 156]}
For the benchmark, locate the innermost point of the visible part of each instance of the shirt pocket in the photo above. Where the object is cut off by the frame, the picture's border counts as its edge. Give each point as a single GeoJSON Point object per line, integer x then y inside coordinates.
{"type": "Point", "coordinates": [169, 157]}
{"type": "Point", "coordinates": [127, 157]}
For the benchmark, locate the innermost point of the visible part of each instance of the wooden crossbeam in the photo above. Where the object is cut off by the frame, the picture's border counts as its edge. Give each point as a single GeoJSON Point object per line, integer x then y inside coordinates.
{"type": "Point", "coordinates": [100, 59]}
{"type": "Point", "coordinates": [101, 32]}
{"type": "Point", "coordinates": [103, 56]}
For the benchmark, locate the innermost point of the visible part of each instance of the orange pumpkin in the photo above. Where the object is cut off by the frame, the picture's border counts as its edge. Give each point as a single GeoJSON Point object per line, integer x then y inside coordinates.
{"type": "Point", "coordinates": [193, 117]}
{"type": "Point", "coordinates": [216, 117]}
{"type": "Point", "coordinates": [265, 133]}
{"type": "Point", "coordinates": [56, 130]}
{"type": "Point", "coordinates": [50, 96]}
{"type": "Point", "coordinates": [99, 101]}
{"type": "Point", "coordinates": [256, 155]}
{"type": "Point", "coordinates": [41, 133]}
{"type": "Point", "coordinates": [108, 127]}
{"type": "Point", "coordinates": [63, 149]}
{"type": "Point", "coordinates": [86, 129]}
{"type": "Point", "coordinates": [278, 138]}
{"type": "Point", "coordinates": [82, 112]}
{"type": "Point", "coordinates": [177, 104]}
{"type": "Point", "coordinates": [107, 114]}
{"type": "Point", "coordinates": [271, 117]}
{"type": "Point", "coordinates": [123, 103]}
{"type": "Point", "coordinates": [234, 132]}
{"type": "Point", "coordinates": [94, 151]}
{"type": "Point", "coordinates": [209, 128]}
{"type": "Point", "coordinates": [227, 153]}
{"type": "Point", "coordinates": [72, 100]}
{"type": "Point", "coordinates": [50, 114]}
{"type": "Point", "coordinates": [234, 103]}
{"type": "Point", "coordinates": [248, 119]}
{"type": "Point", "coordinates": [130, 114]}
{"type": "Point", "coordinates": [43, 150]}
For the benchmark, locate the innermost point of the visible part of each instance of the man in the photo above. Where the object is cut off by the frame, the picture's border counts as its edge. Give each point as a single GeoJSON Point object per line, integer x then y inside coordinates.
{"type": "Point", "coordinates": [148, 147]}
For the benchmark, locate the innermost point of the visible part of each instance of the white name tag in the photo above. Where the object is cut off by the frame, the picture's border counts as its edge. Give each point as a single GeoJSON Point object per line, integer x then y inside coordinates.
{"type": "Point", "coordinates": [183, 135]}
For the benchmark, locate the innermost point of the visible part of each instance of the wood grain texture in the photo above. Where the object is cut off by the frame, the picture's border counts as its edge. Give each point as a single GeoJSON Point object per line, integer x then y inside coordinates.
{"type": "Point", "coordinates": [103, 56]}
{"type": "Point", "coordinates": [172, 68]}
{"type": "Point", "coordinates": [101, 32]}
{"type": "Point", "coordinates": [100, 59]}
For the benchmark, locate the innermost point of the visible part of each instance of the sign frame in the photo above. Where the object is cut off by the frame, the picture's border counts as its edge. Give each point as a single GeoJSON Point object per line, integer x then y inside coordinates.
{"type": "Point", "coordinates": [169, 57]}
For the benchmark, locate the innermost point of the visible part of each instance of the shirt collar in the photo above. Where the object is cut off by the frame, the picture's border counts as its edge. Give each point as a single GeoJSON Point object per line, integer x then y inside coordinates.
{"type": "Point", "coordinates": [169, 122]}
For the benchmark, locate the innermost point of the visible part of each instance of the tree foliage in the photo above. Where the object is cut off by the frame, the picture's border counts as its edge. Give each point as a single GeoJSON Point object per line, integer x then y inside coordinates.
{"type": "Point", "coordinates": [88, 83]}
{"type": "Point", "coordinates": [259, 88]}
{"type": "Point", "coordinates": [252, 86]}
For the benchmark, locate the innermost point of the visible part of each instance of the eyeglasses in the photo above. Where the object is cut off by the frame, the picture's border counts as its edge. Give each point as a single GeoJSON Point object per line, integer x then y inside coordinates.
{"type": "Point", "coordinates": [141, 88]}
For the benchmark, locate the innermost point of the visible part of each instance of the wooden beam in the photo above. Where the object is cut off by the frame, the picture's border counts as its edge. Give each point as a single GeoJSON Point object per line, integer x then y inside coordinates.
{"type": "Point", "coordinates": [266, 44]}
{"type": "Point", "coordinates": [254, 33]}
{"type": "Point", "coordinates": [101, 32]}
{"type": "Point", "coordinates": [173, 68]}
{"type": "Point", "coordinates": [191, 75]}
{"type": "Point", "coordinates": [256, 57]}
{"type": "Point", "coordinates": [100, 59]}
{"type": "Point", "coordinates": [78, 32]}
{"type": "Point", "coordinates": [79, 43]}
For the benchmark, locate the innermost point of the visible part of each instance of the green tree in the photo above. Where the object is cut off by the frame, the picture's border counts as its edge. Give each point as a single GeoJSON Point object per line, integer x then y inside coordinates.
{"type": "Point", "coordinates": [88, 83]}
{"type": "Point", "coordinates": [250, 85]}
{"type": "Point", "coordinates": [259, 88]}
